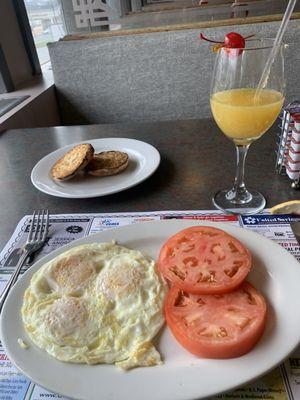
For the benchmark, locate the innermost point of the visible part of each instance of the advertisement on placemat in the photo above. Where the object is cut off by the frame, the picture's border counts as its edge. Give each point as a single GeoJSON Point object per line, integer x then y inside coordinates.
{"type": "Point", "coordinates": [282, 383]}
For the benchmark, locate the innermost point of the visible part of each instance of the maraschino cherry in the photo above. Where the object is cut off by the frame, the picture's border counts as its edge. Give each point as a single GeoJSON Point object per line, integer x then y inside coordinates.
{"type": "Point", "coordinates": [232, 40]}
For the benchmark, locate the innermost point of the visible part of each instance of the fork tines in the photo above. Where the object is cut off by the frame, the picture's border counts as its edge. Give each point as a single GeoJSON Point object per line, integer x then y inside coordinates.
{"type": "Point", "coordinates": [39, 226]}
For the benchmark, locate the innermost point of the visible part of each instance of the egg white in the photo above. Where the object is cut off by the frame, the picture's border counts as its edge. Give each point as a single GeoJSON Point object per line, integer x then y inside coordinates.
{"type": "Point", "coordinates": [96, 303]}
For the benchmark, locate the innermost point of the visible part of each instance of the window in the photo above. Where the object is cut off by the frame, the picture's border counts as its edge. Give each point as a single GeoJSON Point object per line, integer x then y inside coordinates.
{"type": "Point", "coordinates": [156, 13]}
{"type": "Point", "coordinates": [47, 24]}
{"type": "Point", "coordinates": [50, 20]}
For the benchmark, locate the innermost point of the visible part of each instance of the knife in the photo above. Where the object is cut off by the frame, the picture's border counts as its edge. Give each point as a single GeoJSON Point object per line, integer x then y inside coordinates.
{"type": "Point", "coordinates": [295, 225]}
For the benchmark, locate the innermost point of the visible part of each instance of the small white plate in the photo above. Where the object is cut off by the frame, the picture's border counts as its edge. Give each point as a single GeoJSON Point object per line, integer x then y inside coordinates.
{"type": "Point", "coordinates": [143, 161]}
{"type": "Point", "coordinates": [183, 376]}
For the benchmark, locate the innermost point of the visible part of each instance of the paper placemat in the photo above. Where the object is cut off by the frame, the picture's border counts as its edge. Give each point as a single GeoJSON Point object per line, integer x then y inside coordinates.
{"type": "Point", "coordinates": [282, 383]}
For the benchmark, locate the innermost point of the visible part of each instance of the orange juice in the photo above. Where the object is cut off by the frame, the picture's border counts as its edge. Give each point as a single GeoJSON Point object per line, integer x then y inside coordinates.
{"type": "Point", "coordinates": [244, 117]}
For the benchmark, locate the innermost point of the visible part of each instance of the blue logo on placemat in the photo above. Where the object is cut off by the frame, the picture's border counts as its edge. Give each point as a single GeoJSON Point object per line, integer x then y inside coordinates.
{"type": "Point", "coordinates": [109, 222]}
{"type": "Point", "coordinates": [269, 219]}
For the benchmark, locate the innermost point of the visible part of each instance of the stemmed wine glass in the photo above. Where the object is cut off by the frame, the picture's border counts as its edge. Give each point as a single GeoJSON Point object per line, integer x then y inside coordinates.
{"type": "Point", "coordinates": [244, 113]}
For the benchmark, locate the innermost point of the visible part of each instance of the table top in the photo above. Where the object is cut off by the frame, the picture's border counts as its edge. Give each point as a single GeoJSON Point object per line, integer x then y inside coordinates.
{"type": "Point", "coordinates": [196, 161]}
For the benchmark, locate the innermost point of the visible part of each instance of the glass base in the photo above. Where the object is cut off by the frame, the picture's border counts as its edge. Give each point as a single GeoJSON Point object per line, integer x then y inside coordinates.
{"type": "Point", "coordinates": [254, 203]}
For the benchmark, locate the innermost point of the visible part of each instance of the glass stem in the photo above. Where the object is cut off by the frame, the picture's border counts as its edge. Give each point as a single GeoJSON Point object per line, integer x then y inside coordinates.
{"type": "Point", "coordinates": [239, 194]}
{"type": "Point", "coordinates": [241, 153]}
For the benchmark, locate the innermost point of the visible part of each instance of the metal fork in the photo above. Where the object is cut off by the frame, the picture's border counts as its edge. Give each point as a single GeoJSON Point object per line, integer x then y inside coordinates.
{"type": "Point", "coordinates": [37, 235]}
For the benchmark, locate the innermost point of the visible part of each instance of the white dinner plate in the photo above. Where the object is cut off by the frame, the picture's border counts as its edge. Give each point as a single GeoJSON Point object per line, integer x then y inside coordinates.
{"type": "Point", "coordinates": [183, 376]}
{"type": "Point", "coordinates": [143, 161]}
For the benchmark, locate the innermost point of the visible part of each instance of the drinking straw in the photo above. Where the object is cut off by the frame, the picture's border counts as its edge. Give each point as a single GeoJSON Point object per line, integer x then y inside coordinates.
{"type": "Point", "coordinates": [276, 46]}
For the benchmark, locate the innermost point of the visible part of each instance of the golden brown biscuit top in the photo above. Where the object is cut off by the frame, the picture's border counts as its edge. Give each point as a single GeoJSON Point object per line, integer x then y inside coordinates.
{"type": "Point", "coordinates": [108, 159]}
{"type": "Point", "coordinates": [73, 161]}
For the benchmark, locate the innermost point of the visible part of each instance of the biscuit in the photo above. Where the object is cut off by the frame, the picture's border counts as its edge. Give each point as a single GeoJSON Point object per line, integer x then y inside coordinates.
{"type": "Point", "coordinates": [108, 163]}
{"type": "Point", "coordinates": [74, 161]}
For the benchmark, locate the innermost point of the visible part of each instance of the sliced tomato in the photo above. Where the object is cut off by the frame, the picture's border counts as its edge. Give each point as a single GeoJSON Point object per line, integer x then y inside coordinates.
{"type": "Point", "coordinates": [217, 326]}
{"type": "Point", "coordinates": [204, 260]}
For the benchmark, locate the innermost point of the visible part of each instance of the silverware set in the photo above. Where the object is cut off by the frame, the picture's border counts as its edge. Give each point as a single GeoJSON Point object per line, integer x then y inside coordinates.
{"type": "Point", "coordinates": [37, 236]}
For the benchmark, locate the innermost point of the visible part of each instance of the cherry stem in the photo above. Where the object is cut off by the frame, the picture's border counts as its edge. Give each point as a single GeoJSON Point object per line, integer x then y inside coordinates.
{"type": "Point", "coordinates": [208, 40]}
{"type": "Point", "coordinates": [248, 37]}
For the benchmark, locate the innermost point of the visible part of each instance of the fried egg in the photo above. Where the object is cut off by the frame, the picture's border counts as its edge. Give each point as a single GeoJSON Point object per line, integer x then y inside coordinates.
{"type": "Point", "coordinates": [96, 303]}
